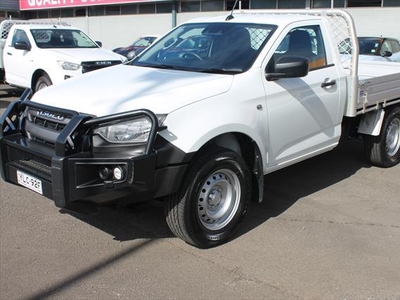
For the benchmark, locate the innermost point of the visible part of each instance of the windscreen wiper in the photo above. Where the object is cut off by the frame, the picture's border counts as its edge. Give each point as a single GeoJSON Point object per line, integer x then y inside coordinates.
{"type": "Point", "coordinates": [231, 71]}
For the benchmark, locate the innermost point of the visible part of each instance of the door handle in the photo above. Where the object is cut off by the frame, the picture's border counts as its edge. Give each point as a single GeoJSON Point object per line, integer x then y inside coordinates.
{"type": "Point", "coordinates": [328, 83]}
{"type": "Point", "coordinates": [9, 53]}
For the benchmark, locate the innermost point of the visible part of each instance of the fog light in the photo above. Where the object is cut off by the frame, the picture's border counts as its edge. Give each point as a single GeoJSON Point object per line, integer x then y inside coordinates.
{"type": "Point", "coordinates": [105, 173]}
{"type": "Point", "coordinates": [118, 173]}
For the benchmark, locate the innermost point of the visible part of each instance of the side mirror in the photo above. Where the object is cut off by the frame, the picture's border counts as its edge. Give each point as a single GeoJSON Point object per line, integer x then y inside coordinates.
{"type": "Point", "coordinates": [22, 46]}
{"type": "Point", "coordinates": [387, 54]}
{"type": "Point", "coordinates": [290, 67]}
{"type": "Point", "coordinates": [99, 43]}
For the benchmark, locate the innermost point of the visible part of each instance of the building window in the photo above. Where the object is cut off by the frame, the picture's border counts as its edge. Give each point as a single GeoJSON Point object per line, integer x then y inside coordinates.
{"type": "Point", "coordinates": [163, 8]}
{"type": "Point", "coordinates": [321, 4]}
{"type": "Point", "coordinates": [43, 14]}
{"type": "Point", "coordinates": [10, 14]}
{"type": "Point", "coordinates": [147, 9]}
{"type": "Point", "coordinates": [31, 14]}
{"type": "Point", "coordinates": [212, 5]}
{"type": "Point", "coordinates": [80, 12]}
{"type": "Point", "coordinates": [67, 13]}
{"type": "Point", "coordinates": [263, 4]}
{"type": "Point", "coordinates": [339, 3]}
{"type": "Point", "coordinates": [388, 3]}
{"type": "Point", "coordinates": [55, 13]}
{"type": "Point", "coordinates": [96, 11]}
{"type": "Point", "coordinates": [112, 10]}
{"type": "Point", "coordinates": [291, 4]}
{"type": "Point", "coordinates": [363, 3]}
{"type": "Point", "coordinates": [128, 9]}
{"type": "Point", "coordinates": [191, 6]}
{"type": "Point", "coordinates": [241, 4]}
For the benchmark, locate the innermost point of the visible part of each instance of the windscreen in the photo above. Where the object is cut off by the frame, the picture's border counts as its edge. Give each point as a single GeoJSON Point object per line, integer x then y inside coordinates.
{"type": "Point", "coordinates": [62, 38]}
{"type": "Point", "coordinates": [208, 47]}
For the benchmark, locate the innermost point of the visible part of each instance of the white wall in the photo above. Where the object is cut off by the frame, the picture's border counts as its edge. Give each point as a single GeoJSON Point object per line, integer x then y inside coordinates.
{"type": "Point", "coordinates": [116, 31]}
{"type": "Point", "coordinates": [377, 21]}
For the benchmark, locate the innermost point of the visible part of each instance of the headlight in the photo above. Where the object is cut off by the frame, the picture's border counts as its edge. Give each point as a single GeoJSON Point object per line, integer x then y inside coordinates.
{"type": "Point", "coordinates": [70, 66]}
{"type": "Point", "coordinates": [132, 131]}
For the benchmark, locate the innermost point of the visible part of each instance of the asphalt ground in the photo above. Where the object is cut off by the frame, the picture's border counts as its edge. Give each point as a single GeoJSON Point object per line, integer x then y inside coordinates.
{"type": "Point", "coordinates": [328, 228]}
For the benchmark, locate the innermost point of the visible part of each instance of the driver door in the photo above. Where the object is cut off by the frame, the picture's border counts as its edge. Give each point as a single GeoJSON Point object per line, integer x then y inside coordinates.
{"type": "Point", "coordinates": [17, 61]}
{"type": "Point", "coordinates": [303, 113]}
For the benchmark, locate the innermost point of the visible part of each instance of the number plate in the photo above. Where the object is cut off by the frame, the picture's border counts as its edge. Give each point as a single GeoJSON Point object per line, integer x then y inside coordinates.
{"type": "Point", "coordinates": [30, 182]}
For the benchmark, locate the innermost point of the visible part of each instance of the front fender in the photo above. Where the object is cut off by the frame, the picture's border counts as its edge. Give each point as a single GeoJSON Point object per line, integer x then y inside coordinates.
{"type": "Point", "coordinates": [189, 129]}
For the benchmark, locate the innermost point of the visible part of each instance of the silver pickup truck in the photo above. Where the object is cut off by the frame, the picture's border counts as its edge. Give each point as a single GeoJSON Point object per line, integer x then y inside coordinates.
{"type": "Point", "coordinates": [202, 115]}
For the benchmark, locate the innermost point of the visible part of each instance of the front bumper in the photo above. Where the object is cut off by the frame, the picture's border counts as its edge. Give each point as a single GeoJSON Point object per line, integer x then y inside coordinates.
{"type": "Point", "coordinates": [69, 174]}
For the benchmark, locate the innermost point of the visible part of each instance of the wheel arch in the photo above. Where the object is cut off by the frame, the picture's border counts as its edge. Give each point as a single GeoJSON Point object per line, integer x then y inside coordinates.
{"type": "Point", "coordinates": [371, 123]}
{"type": "Point", "coordinates": [249, 150]}
{"type": "Point", "coordinates": [36, 75]}
{"type": "Point", "coordinates": [383, 150]}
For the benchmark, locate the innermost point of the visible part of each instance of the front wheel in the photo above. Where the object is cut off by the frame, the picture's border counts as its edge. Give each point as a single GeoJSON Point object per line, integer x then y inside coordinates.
{"type": "Point", "coordinates": [43, 82]}
{"type": "Point", "coordinates": [212, 201]}
{"type": "Point", "coordinates": [384, 150]}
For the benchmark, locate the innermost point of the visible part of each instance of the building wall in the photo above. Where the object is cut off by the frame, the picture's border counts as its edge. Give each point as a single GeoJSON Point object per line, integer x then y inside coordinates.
{"type": "Point", "coordinates": [116, 31]}
{"type": "Point", "coordinates": [377, 21]}
{"type": "Point", "coordinates": [120, 31]}
{"type": "Point", "coordinates": [9, 8]}
{"type": "Point", "coordinates": [9, 5]}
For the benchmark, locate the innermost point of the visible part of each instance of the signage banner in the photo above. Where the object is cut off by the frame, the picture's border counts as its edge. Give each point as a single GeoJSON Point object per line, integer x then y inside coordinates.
{"type": "Point", "coordinates": [48, 4]}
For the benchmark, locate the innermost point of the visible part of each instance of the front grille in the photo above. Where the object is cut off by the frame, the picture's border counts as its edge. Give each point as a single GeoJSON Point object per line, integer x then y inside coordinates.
{"type": "Point", "coordinates": [49, 124]}
{"type": "Point", "coordinates": [88, 66]}
{"type": "Point", "coordinates": [45, 125]}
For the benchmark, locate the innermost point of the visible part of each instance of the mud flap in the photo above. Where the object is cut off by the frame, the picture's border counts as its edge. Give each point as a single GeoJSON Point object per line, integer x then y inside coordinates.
{"type": "Point", "coordinates": [258, 173]}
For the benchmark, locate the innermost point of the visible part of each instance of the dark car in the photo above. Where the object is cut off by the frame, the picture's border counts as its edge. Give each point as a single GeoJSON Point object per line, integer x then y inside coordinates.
{"type": "Point", "coordinates": [136, 47]}
{"type": "Point", "coordinates": [378, 46]}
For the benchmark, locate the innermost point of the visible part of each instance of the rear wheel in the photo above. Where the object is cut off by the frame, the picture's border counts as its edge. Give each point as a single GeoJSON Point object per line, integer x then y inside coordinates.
{"type": "Point", "coordinates": [212, 201]}
{"type": "Point", "coordinates": [384, 150]}
{"type": "Point", "coordinates": [43, 82]}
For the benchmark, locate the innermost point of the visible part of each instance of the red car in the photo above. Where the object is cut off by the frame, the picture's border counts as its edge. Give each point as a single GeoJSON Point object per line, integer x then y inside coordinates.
{"type": "Point", "coordinates": [136, 47]}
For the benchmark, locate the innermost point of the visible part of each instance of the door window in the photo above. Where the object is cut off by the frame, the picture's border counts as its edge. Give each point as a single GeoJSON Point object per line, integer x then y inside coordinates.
{"type": "Point", "coordinates": [19, 36]}
{"type": "Point", "coordinates": [306, 42]}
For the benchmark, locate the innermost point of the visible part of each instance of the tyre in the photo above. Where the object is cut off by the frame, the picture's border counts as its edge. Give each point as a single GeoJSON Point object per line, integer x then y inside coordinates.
{"type": "Point", "coordinates": [43, 82]}
{"type": "Point", "coordinates": [384, 150]}
{"type": "Point", "coordinates": [212, 200]}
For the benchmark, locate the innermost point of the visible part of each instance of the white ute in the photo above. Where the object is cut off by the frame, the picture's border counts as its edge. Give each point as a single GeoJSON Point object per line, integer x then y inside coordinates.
{"type": "Point", "coordinates": [201, 116]}
{"type": "Point", "coordinates": [35, 55]}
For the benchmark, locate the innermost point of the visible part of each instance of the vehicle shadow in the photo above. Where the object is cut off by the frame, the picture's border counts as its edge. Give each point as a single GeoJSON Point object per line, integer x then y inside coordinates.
{"type": "Point", "coordinates": [136, 221]}
{"type": "Point", "coordinates": [287, 186]}
{"type": "Point", "coordinates": [7, 91]}
{"type": "Point", "coordinates": [3, 105]}
{"type": "Point", "coordinates": [8, 94]}
{"type": "Point", "coordinates": [283, 189]}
